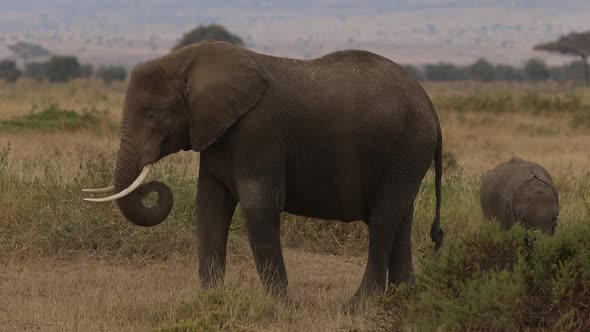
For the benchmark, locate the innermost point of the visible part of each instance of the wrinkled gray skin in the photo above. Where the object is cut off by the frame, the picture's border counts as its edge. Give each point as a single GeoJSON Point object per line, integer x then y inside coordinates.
{"type": "Point", "coordinates": [520, 190]}
{"type": "Point", "coordinates": [348, 136]}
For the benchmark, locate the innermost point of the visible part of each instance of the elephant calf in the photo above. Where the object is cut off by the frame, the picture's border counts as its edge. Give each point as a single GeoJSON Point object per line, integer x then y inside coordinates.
{"type": "Point", "coordinates": [520, 190]}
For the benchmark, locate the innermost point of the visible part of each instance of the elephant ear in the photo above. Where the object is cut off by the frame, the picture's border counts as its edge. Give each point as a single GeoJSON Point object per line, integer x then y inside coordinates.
{"type": "Point", "coordinates": [222, 84]}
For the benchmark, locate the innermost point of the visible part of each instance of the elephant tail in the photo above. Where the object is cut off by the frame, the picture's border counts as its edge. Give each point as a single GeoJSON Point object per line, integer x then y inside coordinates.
{"type": "Point", "coordinates": [436, 233]}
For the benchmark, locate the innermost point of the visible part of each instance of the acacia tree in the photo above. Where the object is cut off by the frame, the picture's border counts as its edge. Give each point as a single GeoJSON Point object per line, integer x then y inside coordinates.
{"type": "Point", "coordinates": [208, 32]}
{"type": "Point", "coordinates": [576, 44]}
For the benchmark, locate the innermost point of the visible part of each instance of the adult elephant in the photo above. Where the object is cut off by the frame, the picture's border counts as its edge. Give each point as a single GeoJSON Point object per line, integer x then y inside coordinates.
{"type": "Point", "coordinates": [347, 136]}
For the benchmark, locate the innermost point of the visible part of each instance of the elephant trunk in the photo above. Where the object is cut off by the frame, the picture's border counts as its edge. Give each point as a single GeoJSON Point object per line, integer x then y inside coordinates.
{"type": "Point", "coordinates": [127, 171]}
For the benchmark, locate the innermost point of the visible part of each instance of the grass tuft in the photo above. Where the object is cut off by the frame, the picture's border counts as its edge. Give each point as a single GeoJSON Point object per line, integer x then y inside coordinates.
{"type": "Point", "coordinates": [230, 309]}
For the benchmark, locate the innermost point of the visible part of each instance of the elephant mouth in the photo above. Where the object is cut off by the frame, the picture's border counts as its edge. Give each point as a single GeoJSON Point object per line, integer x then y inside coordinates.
{"type": "Point", "coordinates": [122, 193]}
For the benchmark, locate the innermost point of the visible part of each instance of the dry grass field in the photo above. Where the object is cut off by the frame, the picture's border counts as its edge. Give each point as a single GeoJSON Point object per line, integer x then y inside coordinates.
{"type": "Point", "coordinates": [69, 265]}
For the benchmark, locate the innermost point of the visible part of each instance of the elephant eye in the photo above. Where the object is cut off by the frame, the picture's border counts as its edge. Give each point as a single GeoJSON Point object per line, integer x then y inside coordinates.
{"type": "Point", "coordinates": [150, 118]}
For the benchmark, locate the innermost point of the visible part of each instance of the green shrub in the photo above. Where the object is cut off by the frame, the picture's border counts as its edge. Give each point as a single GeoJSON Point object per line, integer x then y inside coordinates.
{"type": "Point", "coordinates": [482, 70]}
{"type": "Point", "coordinates": [62, 68]}
{"type": "Point", "coordinates": [8, 71]}
{"type": "Point", "coordinates": [500, 280]}
{"type": "Point", "coordinates": [536, 70]}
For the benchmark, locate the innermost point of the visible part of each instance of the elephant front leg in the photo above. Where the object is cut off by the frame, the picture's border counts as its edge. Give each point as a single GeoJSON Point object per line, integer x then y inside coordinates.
{"type": "Point", "coordinates": [215, 208]}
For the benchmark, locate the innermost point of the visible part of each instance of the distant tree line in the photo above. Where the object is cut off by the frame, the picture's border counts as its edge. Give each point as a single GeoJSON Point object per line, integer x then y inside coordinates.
{"type": "Point", "coordinates": [60, 68]}
{"type": "Point", "coordinates": [64, 68]}
{"type": "Point", "coordinates": [485, 71]}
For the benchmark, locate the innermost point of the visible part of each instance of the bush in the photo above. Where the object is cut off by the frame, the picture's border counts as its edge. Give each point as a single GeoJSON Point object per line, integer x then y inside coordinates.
{"type": "Point", "coordinates": [536, 70]}
{"type": "Point", "coordinates": [482, 70]}
{"type": "Point", "coordinates": [110, 74]}
{"type": "Point", "coordinates": [445, 72]}
{"type": "Point", "coordinates": [86, 71]}
{"type": "Point", "coordinates": [8, 71]}
{"type": "Point", "coordinates": [208, 32]}
{"type": "Point", "coordinates": [509, 73]}
{"type": "Point", "coordinates": [62, 68]}
{"type": "Point", "coordinates": [499, 280]}
{"type": "Point", "coordinates": [36, 70]}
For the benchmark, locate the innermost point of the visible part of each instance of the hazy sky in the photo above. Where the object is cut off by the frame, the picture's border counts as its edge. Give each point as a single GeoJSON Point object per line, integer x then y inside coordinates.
{"type": "Point", "coordinates": [409, 31]}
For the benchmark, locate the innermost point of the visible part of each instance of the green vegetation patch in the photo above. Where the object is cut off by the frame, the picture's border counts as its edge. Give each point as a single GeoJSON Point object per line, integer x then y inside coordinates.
{"type": "Point", "coordinates": [53, 117]}
{"type": "Point", "coordinates": [507, 102]}
{"type": "Point", "coordinates": [231, 309]}
{"type": "Point", "coordinates": [494, 280]}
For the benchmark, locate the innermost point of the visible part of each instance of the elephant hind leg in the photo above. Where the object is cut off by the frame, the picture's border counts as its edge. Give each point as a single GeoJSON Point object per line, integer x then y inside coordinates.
{"type": "Point", "coordinates": [386, 215]}
{"type": "Point", "coordinates": [401, 269]}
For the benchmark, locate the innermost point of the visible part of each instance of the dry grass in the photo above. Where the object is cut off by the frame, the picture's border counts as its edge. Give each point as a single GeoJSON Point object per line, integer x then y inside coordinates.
{"type": "Point", "coordinates": [72, 266]}
{"type": "Point", "coordinates": [88, 294]}
{"type": "Point", "coordinates": [477, 140]}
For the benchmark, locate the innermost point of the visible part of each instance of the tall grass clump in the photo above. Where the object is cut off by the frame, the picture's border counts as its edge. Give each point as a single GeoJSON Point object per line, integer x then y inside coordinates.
{"type": "Point", "coordinates": [45, 215]}
{"type": "Point", "coordinates": [230, 309]}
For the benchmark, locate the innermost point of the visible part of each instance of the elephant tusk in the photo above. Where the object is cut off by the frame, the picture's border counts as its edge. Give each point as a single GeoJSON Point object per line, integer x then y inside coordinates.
{"type": "Point", "coordinates": [125, 191]}
{"type": "Point", "coordinates": [100, 190]}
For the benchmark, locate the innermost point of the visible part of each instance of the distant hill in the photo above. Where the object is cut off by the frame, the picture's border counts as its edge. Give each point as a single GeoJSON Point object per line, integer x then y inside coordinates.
{"type": "Point", "coordinates": [409, 31]}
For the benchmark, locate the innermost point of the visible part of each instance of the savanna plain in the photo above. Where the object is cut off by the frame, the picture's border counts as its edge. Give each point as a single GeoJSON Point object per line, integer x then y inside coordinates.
{"type": "Point", "coordinates": [66, 264]}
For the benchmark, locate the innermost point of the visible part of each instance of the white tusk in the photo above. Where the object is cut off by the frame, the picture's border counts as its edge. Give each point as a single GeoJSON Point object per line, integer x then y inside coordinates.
{"type": "Point", "coordinates": [125, 191]}
{"type": "Point", "coordinates": [100, 190]}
